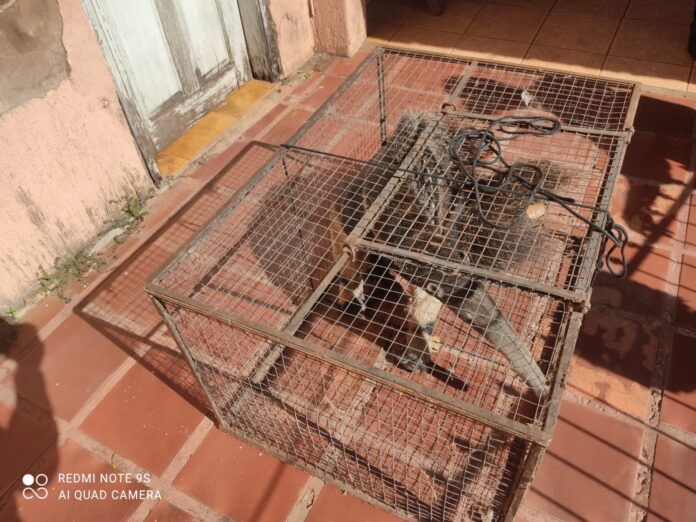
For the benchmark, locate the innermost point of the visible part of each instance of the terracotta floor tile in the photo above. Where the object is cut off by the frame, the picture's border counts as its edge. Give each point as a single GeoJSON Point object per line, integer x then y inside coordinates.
{"type": "Point", "coordinates": [424, 39]}
{"type": "Point", "coordinates": [614, 359]}
{"type": "Point", "coordinates": [589, 470]}
{"type": "Point", "coordinates": [287, 126]}
{"type": "Point", "coordinates": [673, 489]}
{"type": "Point", "coordinates": [657, 74]}
{"type": "Point", "coordinates": [666, 115]}
{"type": "Point", "coordinates": [579, 32]}
{"type": "Point", "coordinates": [72, 458]}
{"type": "Point", "coordinates": [255, 131]}
{"type": "Point", "coordinates": [165, 512]}
{"type": "Point", "coordinates": [566, 59]}
{"type": "Point", "coordinates": [544, 5]}
{"type": "Point", "coordinates": [306, 86]}
{"type": "Point", "coordinates": [169, 365]}
{"type": "Point", "coordinates": [53, 375]}
{"type": "Point", "coordinates": [490, 49]}
{"type": "Point", "coordinates": [22, 439]}
{"type": "Point", "coordinates": [216, 163]}
{"type": "Point", "coordinates": [658, 157]}
{"type": "Point", "coordinates": [143, 419]}
{"type": "Point", "coordinates": [507, 23]}
{"type": "Point", "coordinates": [613, 8]}
{"type": "Point", "coordinates": [322, 91]}
{"type": "Point", "coordinates": [679, 399]}
{"type": "Point", "coordinates": [686, 295]}
{"type": "Point", "coordinates": [455, 18]}
{"type": "Point", "coordinates": [243, 98]}
{"type": "Point", "coordinates": [346, 66]}
{"type": "Point", "coordinates": [394, 12]}
{"type": "Point", "coordinates": [647, 211]}
{"type": "Point", "coordinates": [644, 290]}
{"type": "Point", "coordinates": [336, 506]}
{"type": "Point", "coordinates": [241, 481]}
{"type": "Point", "coordinates": [656, 41]}
{"type": "Point", "coordinates": [690, 239]}
{"type": "Point", "coordinates": [380, 33]}
{"type": "Point", "coordinates": [675, 11]}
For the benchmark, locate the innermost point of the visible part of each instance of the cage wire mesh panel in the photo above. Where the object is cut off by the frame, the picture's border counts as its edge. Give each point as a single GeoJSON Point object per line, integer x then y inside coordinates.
{"type": "Point", "coordinates": [376, 307]}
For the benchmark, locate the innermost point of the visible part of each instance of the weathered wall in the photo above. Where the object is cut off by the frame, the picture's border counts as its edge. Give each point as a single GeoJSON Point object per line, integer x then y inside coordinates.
{"type": "Point", "coordinates": [339, 26]}
{"type": "Point", "coordinates": [328, 26]}
{"type": "Point", "coordinates": [30, 28]}
{"type": "Point", "coordinates": [294, 31]}
{"type": "Point", "coordinates": [68, 157]}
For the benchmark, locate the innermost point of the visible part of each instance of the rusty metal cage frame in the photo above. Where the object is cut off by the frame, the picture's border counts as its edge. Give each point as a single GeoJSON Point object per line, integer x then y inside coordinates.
{"type": "Point", "coordinates": [534, 432]}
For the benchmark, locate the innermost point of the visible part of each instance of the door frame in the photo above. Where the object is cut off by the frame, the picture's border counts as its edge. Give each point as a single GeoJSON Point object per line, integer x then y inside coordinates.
{"type": "Point", "coordinates": [262, 49]}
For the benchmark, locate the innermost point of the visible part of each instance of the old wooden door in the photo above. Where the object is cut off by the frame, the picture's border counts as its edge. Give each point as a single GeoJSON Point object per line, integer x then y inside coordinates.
{"type": "Point", "coordinates": [172, 61]}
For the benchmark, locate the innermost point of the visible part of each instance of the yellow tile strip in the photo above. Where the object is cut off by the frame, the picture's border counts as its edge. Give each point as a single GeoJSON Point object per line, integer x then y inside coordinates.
{"type": "Point", "coordinates": [181, 151]}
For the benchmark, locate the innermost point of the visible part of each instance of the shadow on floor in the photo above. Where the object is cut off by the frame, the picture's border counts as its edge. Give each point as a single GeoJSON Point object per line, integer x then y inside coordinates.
{"type": "Point", "coordinates": [28, 441]}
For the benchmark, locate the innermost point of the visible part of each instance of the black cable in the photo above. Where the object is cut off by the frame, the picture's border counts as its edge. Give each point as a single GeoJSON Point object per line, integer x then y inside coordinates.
{"type": "Point", "coordinates": [486, 142]}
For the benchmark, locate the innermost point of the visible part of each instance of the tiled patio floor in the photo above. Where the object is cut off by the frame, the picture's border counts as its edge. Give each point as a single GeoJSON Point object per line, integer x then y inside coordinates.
{"type": "Point", "coordinates": [104, 389]}
{"type": "Point", "coordinates": [639, 40]}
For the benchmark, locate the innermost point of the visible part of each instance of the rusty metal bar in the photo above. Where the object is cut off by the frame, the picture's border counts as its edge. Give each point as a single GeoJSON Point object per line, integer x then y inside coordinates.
{"type": "Point", "coordinates": [382, 95]}
{"type": "Point", "coordinates": [525, 479]}
{"type": "Point", "coordinates": [559, 383]}
{"type": "Point", "coordinates": [633, 107]}
{"type": "Point", "coordinates": [463, 80]}
{"type": "Point", "coordinates": [589, 261]}
{"type": "Point", "coordinates": [528, 432]}
{"type": "Point", "coordinates": [174, 329]}
{"type": "Point", "coordinates": [567, 128]}
{"type": "Point", "coordinates": [517, 281]}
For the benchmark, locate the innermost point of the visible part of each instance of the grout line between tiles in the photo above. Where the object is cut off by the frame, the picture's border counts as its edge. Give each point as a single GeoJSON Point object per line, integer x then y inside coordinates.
{"type": "Point", "coordinates": [178, 463]}
{"type": "Point", "coordinates": [536, 35]}
{"type": "Point", "coordinates": [306, 499]}
{"type": "Point", "coordinates": [169, 493]}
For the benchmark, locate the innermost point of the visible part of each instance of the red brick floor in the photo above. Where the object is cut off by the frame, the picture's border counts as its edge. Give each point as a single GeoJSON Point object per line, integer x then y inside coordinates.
{"type": "Point", "coordinates": [103, 389]}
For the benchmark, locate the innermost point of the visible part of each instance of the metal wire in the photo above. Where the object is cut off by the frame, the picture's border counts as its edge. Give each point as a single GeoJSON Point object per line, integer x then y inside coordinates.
{"type": "Point", "coordinates": [351, 312]}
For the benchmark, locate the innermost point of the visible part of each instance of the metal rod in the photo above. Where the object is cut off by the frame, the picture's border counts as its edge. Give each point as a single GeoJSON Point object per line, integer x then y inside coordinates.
{"type": "Point", "coordinates": [462, 267]}
{"type": "Point", "coordinates": [567, 128]}
{"type": "Point", "coordinates": [531, 462]}
{"type": "Point", "coordinates": [382, 98]}
{"type": "Point", "coordinates": [559, 383]}
{"type": "Point", "coordinates": [174, 329]}
{"type": "Point", "coordinates": [463, 80]}
{"type": "Point", "coordinates": [632, 108]}
{"type": "Point", "coordinates": [589, 261]}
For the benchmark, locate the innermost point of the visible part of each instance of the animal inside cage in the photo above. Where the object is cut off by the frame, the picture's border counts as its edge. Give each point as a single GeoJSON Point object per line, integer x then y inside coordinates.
{"type": "Point", "coordinates": [392, 302]}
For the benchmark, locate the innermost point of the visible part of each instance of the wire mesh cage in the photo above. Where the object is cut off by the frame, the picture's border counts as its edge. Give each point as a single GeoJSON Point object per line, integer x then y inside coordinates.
{"type": "Point", "coordinates": [376, 307]}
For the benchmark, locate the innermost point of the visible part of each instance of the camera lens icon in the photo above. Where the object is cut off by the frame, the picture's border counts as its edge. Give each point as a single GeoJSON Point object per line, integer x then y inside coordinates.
{"type": "Point", "coordinates": [34, 486]}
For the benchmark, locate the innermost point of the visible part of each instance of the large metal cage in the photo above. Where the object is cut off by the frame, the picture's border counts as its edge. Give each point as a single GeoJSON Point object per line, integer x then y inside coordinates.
{"type": "Point", "coordinates": [295, 306]}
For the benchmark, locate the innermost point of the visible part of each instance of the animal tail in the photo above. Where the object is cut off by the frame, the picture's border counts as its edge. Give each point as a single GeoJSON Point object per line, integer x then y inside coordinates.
{"type": "Point", "coordinates": [475, 305]}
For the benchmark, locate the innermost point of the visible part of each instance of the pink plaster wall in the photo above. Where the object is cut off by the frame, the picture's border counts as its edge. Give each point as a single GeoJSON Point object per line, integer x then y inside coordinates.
{"type": "Point", "coordinates": [68, 160]}
{"type": "Point", "coordinates": [295, 32]}
{"type": "Point", "coordinates": [328, 26]}
{"type": "Point", "coordinates": [339, 26]}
